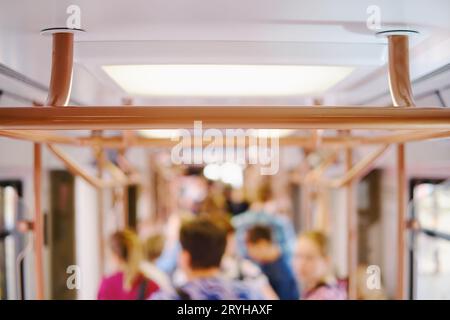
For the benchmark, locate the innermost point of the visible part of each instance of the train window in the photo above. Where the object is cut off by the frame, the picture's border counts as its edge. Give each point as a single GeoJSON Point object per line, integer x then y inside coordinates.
{"type": "Point", "coordinates": [431, 242]}
{"type": "Point", "coordinates": [11, 274]}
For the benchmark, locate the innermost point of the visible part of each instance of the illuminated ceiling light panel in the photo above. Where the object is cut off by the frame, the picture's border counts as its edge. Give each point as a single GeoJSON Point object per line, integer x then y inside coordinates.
{"type": "Point", "coordinates": [225, 80]}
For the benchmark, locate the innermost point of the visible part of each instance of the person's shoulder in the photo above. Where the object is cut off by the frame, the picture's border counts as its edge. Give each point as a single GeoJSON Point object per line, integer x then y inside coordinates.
{"type": "Point", "coordinates": [151, 271]}
{"type": "Point", "coordinates": [250, 217]}
{"type": "Point", "coordinates": [109, 283]}
{"type": "Point", "coordinates": [152, 286]}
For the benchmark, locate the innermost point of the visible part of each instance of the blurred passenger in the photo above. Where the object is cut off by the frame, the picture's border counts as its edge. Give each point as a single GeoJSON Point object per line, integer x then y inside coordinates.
{"type": "Point", "coordinates": [203, 245]}
{"type": "Point", "coordinates": [265, 251]}
{"type": "Point", "coordinates": [235, 200]}
{"type": "Point", "coordinates": [237, 268]}
{"type": "Point", "coordinates": [127, 283]}
{"type": "Point", "coordinates": [153, 248]}
{"type": "Point", "coordinates": [167, 261]}
{"type": "Point", "coordinates": [192, 191]}
{"type": "Point", "coordinates": [263, 212]}
{"type": "Point", "coordinates": [313, 268]}
{"type": "Point", "coordinates": [214, 202]}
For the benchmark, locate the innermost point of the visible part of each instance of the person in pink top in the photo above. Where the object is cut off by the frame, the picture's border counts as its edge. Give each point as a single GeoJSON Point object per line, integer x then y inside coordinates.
{"type": "Point", "coordinates": [127, 283]}
{"type": "Point", "coordinates": [312, 265]}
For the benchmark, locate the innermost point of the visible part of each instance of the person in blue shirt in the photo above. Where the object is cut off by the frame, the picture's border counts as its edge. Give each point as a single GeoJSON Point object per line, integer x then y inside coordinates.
{"type": "Point", "coordinates": [263, 250]}
{"type": "Point", "coordinates": [264, 212]}
{"type": "Point", "coordinates": [203, 243]}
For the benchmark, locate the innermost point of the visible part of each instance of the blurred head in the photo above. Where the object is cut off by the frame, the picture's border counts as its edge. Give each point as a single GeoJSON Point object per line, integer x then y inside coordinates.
{"type": "Point", "coordinates": [126, 252]}
{"type": "Point", "coordinates": [264, 192]}
{"type": "Point", "coordinates": [259, 241]}
{"type": "Point", "coordinates": [238, 195]}
{"type": "Point", "coordinates": [312, 260]}
{"type": "Point", "coordinates": [223, 221]}
{"type": "Point", "coordinates": [227, 190]}
{"type": "Point", "coordinates": [203, 244]}
{"type": "Point", "coordinates": [153, 247]}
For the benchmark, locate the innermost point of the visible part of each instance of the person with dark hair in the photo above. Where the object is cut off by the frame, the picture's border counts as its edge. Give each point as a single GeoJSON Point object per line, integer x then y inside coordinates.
{"type": "Point", "coordinates": [235, 200]}
{"type": "Point", "coordinates": [203, 244]}
{"type": "Point", "coordinates": [243, 269]}
{"type": "Point", "coordinates": [263, 211]}
{"type": "Point", "coordinates": [262, 248]}
{"type": "Point", "coordinates": [128, 283]}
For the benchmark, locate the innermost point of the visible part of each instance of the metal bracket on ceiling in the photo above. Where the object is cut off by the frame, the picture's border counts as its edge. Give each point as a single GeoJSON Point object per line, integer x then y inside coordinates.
{"type": "Point", "coordinates": [399, 75]}
{"type": "Point", "coordinates": [62, 65]}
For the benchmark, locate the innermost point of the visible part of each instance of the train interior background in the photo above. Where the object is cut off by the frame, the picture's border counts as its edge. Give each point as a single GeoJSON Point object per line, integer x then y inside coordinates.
{"type": "Point", "coordinates": [255, 33]}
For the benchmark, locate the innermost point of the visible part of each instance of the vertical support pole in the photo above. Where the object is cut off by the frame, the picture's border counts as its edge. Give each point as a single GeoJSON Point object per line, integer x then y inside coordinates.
{"type": "Point", "coordinates": [401, 225]}
{"type": "Point", "coordinates": [99, 155]}
{"type": "Point", "coordinates": [124, 199]}
{"type": "Point", "coordinates": [352, 230]}
{"type": "Point", "coordinates": [127, 137]}
{"type": "Point", "coordinates": [58, 95]}
{"type": "Point", "coordinates": [304, 205]}
{"type": "Point", "coordinates": [126, 222]}
{"type": "Point", "coordinates": [38, 223]}
{"type": "Point", "coordinates": [401, 94]}
{"type": "Point", "coordinates": [101, 210]}
{"type": "Point", "coordinates": [400, 85]}
{"type": "Point", "coordinates": [308, 207]}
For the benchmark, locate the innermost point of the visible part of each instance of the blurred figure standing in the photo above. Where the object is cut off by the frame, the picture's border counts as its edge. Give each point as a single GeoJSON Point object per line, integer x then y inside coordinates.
{"type": "Point", "coordinates": [127, 283]}
{"type": "Point", "coordinates": [153, 247]}
{"type": "Point", "coordinates": [237, 268]}
{"type": "Point", "coordinates": [203, 244]}
{"type": "Point", "coordinates": [312, 263]}
{"type": "Point", "coordinates": [235, 200]}
{"type": "Point", "coordinates": [262, 249]}
{"type": "Point", "coordinates": [263, 212]}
